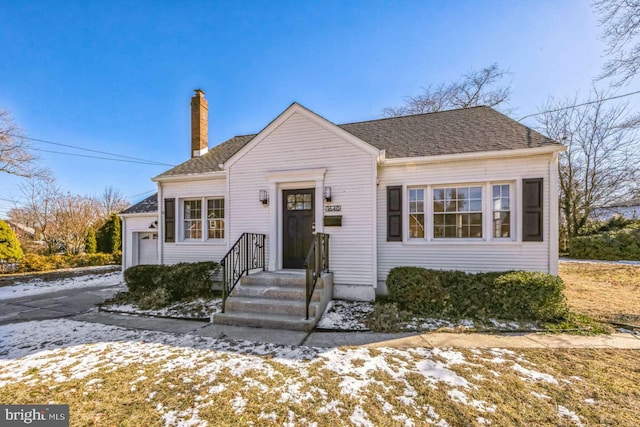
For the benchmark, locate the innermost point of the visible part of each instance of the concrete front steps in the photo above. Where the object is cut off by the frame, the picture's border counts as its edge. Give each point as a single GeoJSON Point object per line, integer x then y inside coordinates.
{"type": "Point", "coordinates": [276, 300]}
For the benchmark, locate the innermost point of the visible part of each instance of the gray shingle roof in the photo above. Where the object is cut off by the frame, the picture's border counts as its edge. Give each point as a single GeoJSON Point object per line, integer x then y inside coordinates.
{"type": "Point", "coordinates": [150, 204]}
{"type": "Point", "coordinates": [465, 130]}
{"type": "Point", "coordinates": [210, 161]}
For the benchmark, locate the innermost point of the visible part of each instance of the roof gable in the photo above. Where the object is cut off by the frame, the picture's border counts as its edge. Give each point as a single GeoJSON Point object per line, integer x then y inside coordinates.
{"type": "Point", "coordinates": [296, 108]}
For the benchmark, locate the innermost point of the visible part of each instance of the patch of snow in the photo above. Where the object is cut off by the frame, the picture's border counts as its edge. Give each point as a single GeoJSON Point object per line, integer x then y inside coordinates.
{"type": "Point", "coordinates": [40, 286]}
{"type": "Point", "coordinates": [270, 416]}
{"type": "Point", "coordinates": [437, 372]}
{"type": "Point", "coordinates": [345, 315]}
{"type": "Point", "coordinates": [332, 406]}
{"type": "Point", "coordinates": [590, 401]}
{"type": "Point", "coordinates": [238, 404]}
{"type": "Point", "coordinates": [540, 395]}
{"type": "Point", "coordinates": [534, 375]}
{"type": "Point", "coordinates": [197, 309]}
{"type": "Point", "coordinates": [564, 412]}
{"type": "Point", "coordinates": [359, 418]}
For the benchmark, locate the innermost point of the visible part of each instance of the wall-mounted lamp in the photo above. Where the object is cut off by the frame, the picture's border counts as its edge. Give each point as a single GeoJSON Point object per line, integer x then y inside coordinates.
{"type": "Point", "coordinates": [153, 225]}
{"type": "Point", "coordinates": [264, 197]}
{"type": "Point", "coordinates": [327, 194]}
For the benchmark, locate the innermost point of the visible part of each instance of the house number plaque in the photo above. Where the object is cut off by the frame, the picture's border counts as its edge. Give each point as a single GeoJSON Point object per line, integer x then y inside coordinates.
{"type": "Point", "coordinates": [333, 208]}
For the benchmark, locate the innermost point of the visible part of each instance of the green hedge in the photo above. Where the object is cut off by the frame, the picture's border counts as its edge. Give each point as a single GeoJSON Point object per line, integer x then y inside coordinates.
{"type": "Point", "coordinates": [155, 286]}
{"type": "Point", "coordinates": [517, 295]}
{"type": "Point", "coordinates": [614, 245]}
{"type": "Point", "coordinates": [34, 262]}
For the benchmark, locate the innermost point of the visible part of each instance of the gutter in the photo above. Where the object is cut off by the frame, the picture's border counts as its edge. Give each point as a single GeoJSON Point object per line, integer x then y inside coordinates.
{"type": "Point", "coordinates": [524, 152]}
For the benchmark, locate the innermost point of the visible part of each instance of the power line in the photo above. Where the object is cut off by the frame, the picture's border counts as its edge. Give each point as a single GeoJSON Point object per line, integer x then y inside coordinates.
{"type": "Point", "coordinates": [580, 105]}
{"type": "Point", "coordinates": [85, 149]}
{"type": "Point", "coordinates": [141, 194]}
{"type": "Point", "coordinates": [102, 158]}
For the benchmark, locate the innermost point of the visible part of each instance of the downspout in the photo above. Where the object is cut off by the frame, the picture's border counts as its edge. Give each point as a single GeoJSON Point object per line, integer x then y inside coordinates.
{"type": "Point", "coordinates": [124, 241]}
{"type": "Point", "coordinates": [161, 214]}
{"type": "Point", "coordinates": [553, 214]}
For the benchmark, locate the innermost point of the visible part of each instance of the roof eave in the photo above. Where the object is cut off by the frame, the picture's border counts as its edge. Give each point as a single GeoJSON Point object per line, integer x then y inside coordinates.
{"type": "Point", "coordinates": [138, 214]}
{"type": "Point", "coordinates": [190, 176]}
{"type": "Point", "coordinates": [523, 152]}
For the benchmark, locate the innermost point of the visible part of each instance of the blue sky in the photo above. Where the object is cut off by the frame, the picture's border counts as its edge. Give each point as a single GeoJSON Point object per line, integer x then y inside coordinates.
{"type": "Point", "coordinates": [118, 76]}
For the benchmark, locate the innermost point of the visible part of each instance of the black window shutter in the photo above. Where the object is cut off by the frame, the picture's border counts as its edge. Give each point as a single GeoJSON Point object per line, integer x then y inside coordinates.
{"type": "Point", "coordinates": [394, 214]}
{"type": "Point", "coordinates": [532, 204]}
{"type": "Point", "coordinates": [170, 220]}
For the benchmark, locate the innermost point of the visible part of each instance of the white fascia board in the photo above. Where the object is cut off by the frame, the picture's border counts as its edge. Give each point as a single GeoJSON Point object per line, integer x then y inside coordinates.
{"type": "Point", "coordinates": [317, 119]}
{"type": "Point", "coordinates": [191, 177]}
{"type": "Point", "coordinates": [524, 152]}
{"type": "Point", "coordinates": [139, 214]}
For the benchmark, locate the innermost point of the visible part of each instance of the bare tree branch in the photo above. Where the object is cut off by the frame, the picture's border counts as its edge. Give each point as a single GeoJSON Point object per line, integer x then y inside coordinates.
{"type": "Point", "coordinates": [474, 88]}
{"type": "Point", "coordinates": [602, 156]}
{"type": "Point", "coordinates": [620, 20]}
{"type": "Point", "coordinates": [16, 157]}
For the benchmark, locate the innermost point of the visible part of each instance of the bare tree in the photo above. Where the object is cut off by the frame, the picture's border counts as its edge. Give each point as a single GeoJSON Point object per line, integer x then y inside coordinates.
{"type": "Point", "coordinates": [620, 20]}
{"type": "Point", "coordinates": [602, 154]}
{"type": "Point", "coordinates": [16, 157]}
{"type": "Point", "coordinates": [475, 88]}
{"type": "Point", "coordinates": [74, 216]}
{"type": "Point", "coordinates": [40, 195]}
{"type": "Point", "coordinates": [112, 201]}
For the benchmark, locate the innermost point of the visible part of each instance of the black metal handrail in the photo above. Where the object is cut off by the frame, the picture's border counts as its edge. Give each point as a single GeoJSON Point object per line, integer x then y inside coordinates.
{"type": "Point", "coordinates": [245, 255]}
{"type": "Point", "coordinates": [316, 263]}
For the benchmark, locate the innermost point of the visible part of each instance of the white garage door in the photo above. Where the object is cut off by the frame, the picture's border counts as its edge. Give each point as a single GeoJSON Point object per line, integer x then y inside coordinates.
{"type": "Point", "coordinates": [148, 248]}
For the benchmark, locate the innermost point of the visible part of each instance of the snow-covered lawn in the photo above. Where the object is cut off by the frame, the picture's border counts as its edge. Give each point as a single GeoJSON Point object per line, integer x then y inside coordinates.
{"type": "Point", "coordinates": [114, 376]}
{"type": "Point", "coordinates": [39, 286]}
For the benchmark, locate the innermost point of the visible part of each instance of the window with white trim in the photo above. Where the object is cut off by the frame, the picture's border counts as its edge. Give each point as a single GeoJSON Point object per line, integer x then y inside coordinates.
{"type": "Point", "coordinates": [501, 210]}
{"type": "Point", "coordinates": [457, 212]}
{"type": "Point", "coordinates": [192, 222]}
{"type": "Point", "coordinates": [202, 219]}
{"type": "Point", "coordinates": [482, 211]}
{"type": "Point", "coordinates": [416, 213]}
{"type": "Point", "coordinates": [215, 218]}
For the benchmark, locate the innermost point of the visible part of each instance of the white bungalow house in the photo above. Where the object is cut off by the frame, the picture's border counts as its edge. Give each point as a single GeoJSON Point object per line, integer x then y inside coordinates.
{"type": "Point", "coordinates": [467, 189]}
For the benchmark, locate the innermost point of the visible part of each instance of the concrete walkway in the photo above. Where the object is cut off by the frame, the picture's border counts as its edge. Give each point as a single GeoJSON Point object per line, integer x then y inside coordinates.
{"type": "Point", "coordinates": [367, 339]}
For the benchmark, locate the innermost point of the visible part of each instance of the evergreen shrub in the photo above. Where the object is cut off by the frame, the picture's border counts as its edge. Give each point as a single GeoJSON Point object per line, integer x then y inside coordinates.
{"type": "Point", "coordinates": [614, 245]}
{"type": "Point", "coordinates": [454, 294]}
{"type": "Point", "coordinates": [156, 286]}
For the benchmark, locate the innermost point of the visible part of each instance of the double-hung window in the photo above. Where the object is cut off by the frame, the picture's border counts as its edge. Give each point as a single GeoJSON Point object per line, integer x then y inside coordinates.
{"type": "Point", "coordinates": [192, 219]}
{"type": "Point", "coordinates": [501, 210]}
{"type": "Point", "coordinates": [215, 218]}
{"type": "Point", "coordinates": [457, 212]}
{"type": "Point", "coordinates": [202, 219]}
{"type": "Point", "coordinates": [416, 213]}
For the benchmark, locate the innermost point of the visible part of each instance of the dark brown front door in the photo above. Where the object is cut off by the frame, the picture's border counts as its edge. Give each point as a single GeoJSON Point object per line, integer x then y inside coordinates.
{"type": "Point", "coordinates": [297, 228]}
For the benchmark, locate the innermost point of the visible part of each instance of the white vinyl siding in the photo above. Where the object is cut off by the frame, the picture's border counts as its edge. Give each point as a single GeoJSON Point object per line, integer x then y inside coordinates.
{"type": "Point", "coordinates": [473, 255]}
{"type": "Point", "coordinates": [300, 144]}
{"type": "Point", "coordinates": [201, 249]}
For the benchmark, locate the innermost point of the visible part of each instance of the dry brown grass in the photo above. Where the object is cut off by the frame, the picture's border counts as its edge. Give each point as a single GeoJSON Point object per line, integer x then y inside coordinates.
{"type": "Point", "coordinates": [598, 387]}
{"type": "Point", "coordinates": [603, 291]}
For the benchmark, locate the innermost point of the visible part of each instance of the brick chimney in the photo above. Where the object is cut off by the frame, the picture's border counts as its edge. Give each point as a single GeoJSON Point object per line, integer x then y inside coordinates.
{"type": "Point", "coordinates": [199, 124]}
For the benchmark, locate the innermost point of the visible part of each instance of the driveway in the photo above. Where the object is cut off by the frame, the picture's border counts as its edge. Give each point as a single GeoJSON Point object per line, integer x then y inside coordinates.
{"type": "Point", "coordinates": [54, 304]}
